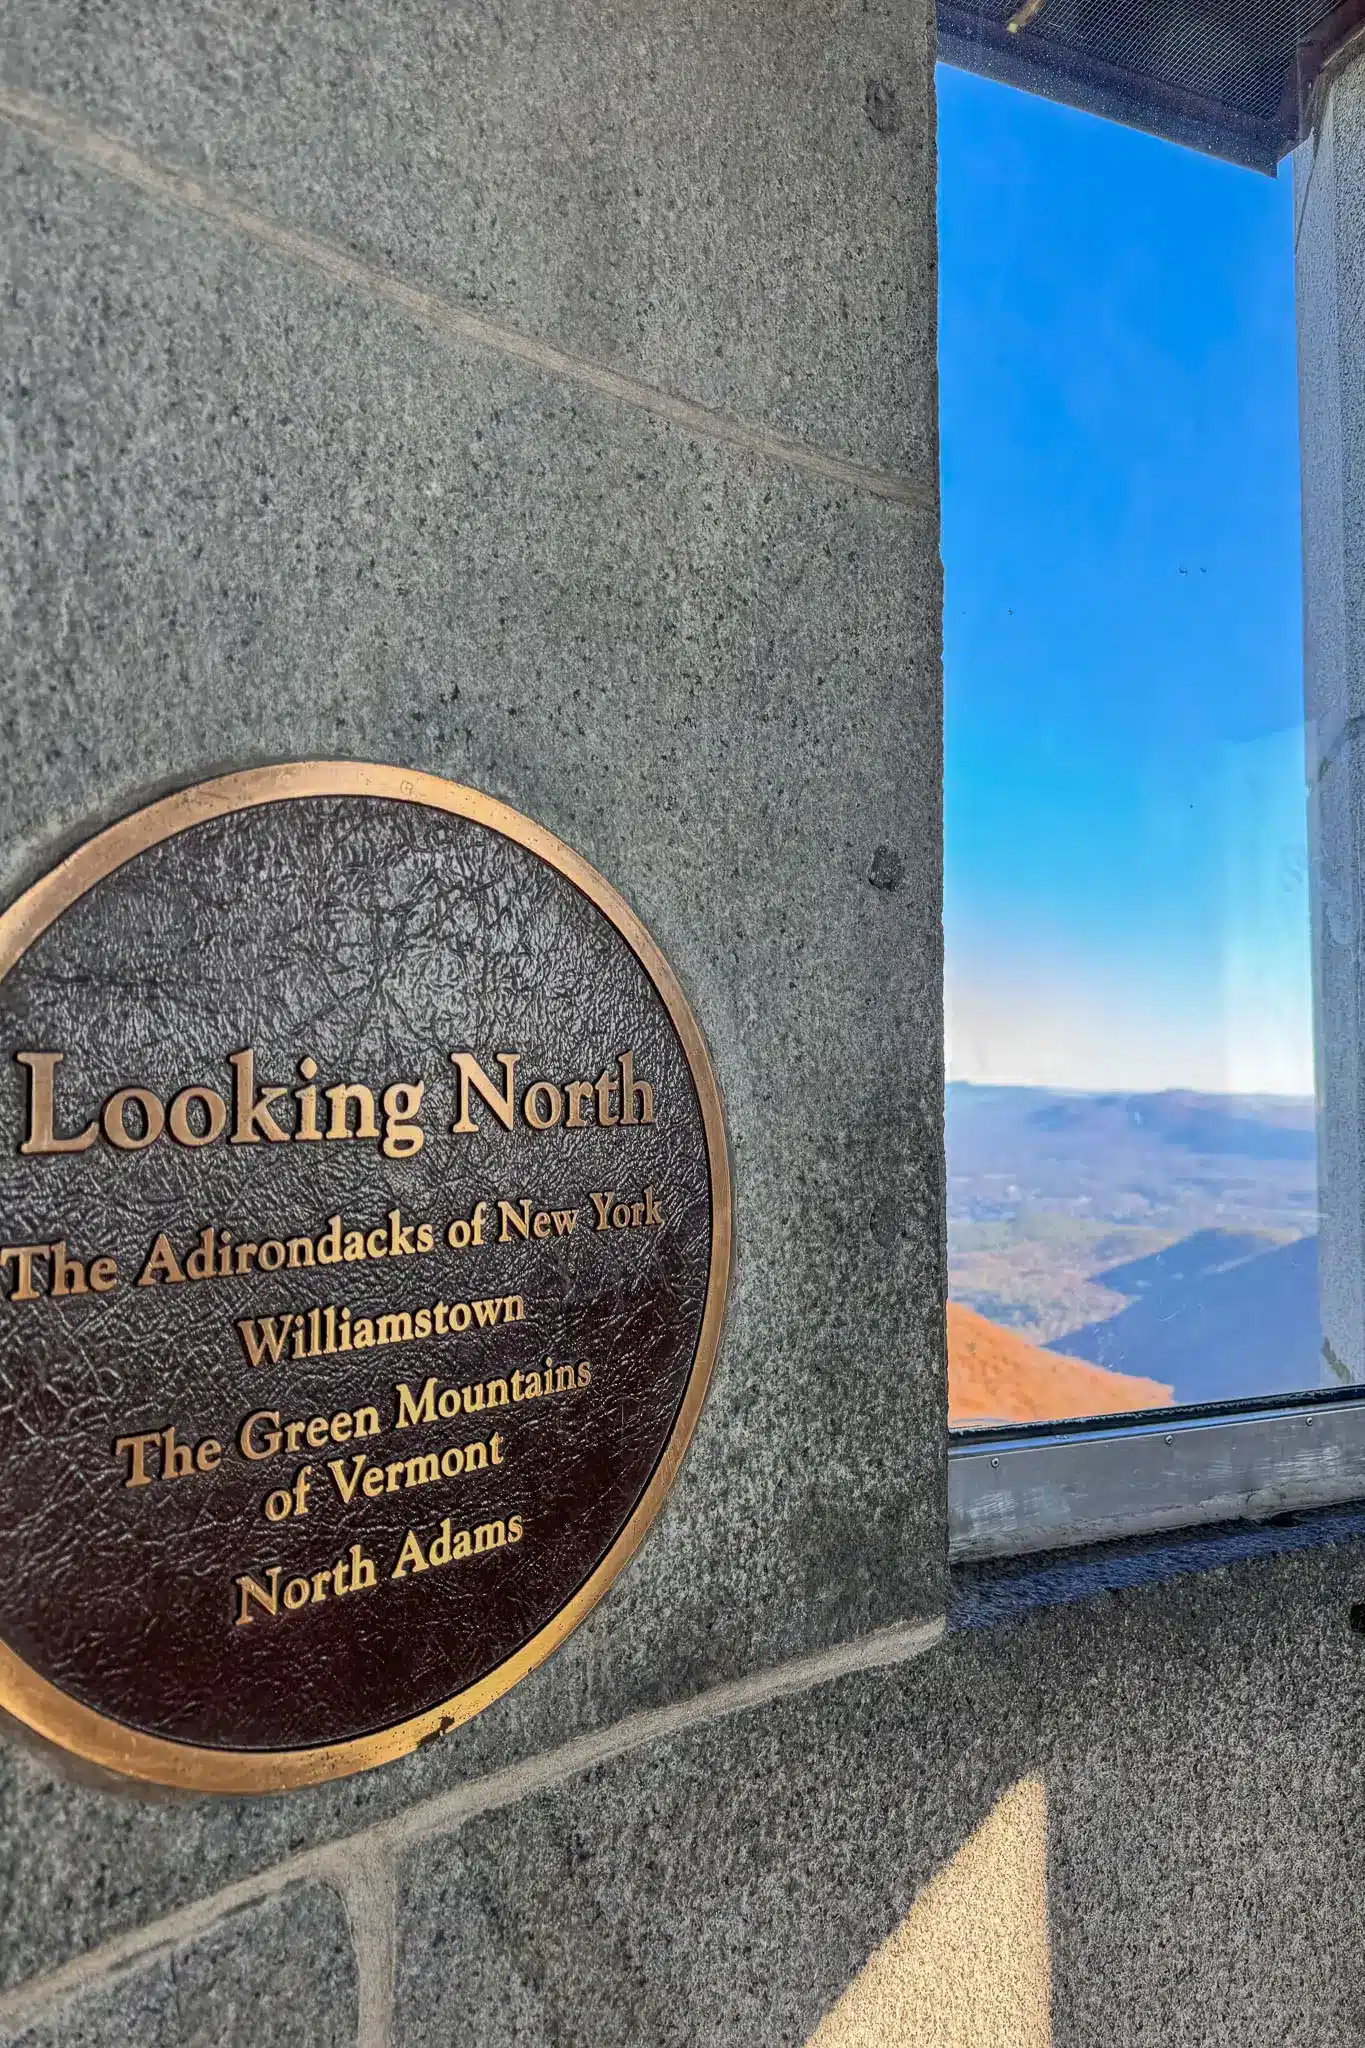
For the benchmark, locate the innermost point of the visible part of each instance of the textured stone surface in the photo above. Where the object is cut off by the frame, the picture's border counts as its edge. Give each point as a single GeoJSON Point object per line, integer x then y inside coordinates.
{"type": "Point", "coordinates": [1199, 1749]}
{"type": "Point", "coordinates": [733, 202]}
{"type": "Point", "coordinates": [260, 517]}
{"type": "Point", "coordinates": [1330, 286]}
{"type": "Point", "coordinates": [280, 1972]}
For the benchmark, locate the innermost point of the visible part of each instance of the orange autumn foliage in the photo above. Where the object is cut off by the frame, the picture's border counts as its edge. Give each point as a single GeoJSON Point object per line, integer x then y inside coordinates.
{"type": "Point", "coordinates": [995, 1375]}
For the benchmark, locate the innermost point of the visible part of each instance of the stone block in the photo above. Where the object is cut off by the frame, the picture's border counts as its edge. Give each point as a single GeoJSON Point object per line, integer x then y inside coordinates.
{"type": "Point", "coordinates": [734, 203]}
{"type": "Point", "coordinates": [1329, 255]}
{"type": "Point", "coordinates": [259, 516]}
{"type": "Point", "coordinates": [281, 1971]}
{"type": "Point", "coordinates": [865, 1860]}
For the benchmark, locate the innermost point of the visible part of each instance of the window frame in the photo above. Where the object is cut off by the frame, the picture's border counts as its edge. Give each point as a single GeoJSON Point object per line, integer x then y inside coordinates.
{"type": "Point", "coordinates": [1018, 1489]}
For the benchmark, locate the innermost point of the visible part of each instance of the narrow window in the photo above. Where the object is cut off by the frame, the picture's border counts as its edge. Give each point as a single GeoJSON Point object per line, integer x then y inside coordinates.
{"type": "Point", "coordinates": [1132, 1128]}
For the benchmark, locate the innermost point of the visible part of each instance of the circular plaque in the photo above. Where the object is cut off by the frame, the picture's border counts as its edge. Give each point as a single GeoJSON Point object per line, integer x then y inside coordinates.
{"type": "Point", "coordinates": [364, 1236]}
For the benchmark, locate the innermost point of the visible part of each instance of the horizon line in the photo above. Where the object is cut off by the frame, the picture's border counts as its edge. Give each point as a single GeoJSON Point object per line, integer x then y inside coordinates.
{"type": "Point", "coordinates": [1120, 1088]}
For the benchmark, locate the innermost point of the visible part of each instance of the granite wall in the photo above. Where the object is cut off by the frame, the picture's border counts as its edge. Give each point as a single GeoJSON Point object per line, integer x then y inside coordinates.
{"type": "Point", "coordinates": [543, 395]}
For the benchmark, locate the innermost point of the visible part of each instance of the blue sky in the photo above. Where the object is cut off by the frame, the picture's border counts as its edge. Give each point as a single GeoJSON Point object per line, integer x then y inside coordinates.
{"type": "Point", "coordinates": [1126, 895]}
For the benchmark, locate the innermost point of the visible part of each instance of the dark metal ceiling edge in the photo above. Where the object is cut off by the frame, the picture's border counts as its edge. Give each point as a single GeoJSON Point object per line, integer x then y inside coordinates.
{"type": "Point", "coordinates": [1094, 87]}
{"type": "Point", "coordinates": [1334, 38]}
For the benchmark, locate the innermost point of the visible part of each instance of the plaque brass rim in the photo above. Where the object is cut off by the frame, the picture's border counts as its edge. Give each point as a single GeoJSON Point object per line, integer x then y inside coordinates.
{"type": "Point", "coordinates": [43, 1706]}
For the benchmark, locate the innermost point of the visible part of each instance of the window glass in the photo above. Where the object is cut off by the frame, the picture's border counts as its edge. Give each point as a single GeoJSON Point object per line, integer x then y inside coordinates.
{"type": "Point", "coordinates": [1132, 1191]}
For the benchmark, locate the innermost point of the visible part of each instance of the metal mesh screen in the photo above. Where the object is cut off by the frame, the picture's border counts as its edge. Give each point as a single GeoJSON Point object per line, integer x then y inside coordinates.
{"type": "Point", "coordinates": [1227, 76]}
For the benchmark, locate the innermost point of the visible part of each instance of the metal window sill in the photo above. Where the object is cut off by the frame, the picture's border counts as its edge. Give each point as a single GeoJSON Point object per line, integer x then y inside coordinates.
{"type": "Point", "coordinates": [1051, 1487]}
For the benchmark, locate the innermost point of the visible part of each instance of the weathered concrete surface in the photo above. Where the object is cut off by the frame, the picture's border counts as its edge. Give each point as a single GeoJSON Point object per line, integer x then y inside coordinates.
{"type": "Point", "coordinates": [280, 1972]}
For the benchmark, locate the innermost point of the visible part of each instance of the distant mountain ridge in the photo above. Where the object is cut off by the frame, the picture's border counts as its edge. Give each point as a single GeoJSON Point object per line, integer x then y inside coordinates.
{"type": "Point", "coordinates": [1176, 1157]}
{"type": "Point", "coordinates": [1186, 1262]}
{"type": "Point", "coordinates": [1216, 1126]}
{"type": "Point", "coordinates": [1167, 1236]}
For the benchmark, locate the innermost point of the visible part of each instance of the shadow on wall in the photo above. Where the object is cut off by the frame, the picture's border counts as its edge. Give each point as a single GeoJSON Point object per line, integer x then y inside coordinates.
{"type": "Point", "coordinates": [969, 1966]}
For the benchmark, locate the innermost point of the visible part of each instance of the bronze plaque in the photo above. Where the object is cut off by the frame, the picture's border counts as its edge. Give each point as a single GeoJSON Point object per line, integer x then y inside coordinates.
{"type": "Point", "coordinates": [364, 1235]}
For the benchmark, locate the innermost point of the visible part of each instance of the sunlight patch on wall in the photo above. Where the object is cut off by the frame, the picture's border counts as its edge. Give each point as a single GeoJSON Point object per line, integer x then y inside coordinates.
{"type": "Point", "coordinates": [969, 1966]}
